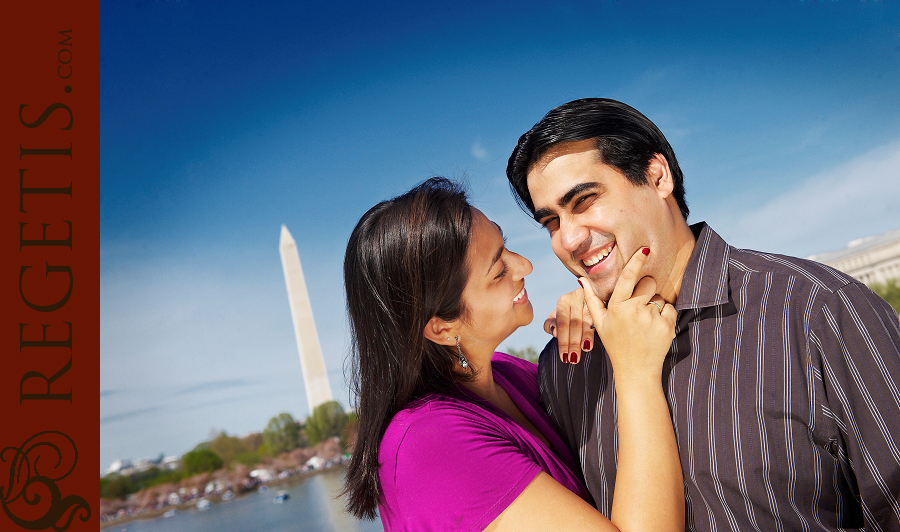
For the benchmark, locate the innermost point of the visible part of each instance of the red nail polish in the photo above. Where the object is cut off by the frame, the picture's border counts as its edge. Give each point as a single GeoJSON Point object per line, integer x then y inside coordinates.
{"type": "Point", "coordinates": [646, 251]}
{"type": "Point", "coordinates": [579, 282]}
{"type": "Point", "coordinates": [573, 358]}
{"type": "Point", "coordinates": [587, 345]}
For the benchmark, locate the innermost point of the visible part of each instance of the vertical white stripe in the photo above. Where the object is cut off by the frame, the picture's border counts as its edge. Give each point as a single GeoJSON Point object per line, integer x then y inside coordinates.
{"type": "Point", "coordinates": [711, 422]}
{"type": "Point", "coordinates": [736, 396]}
{"type": "Point", "coordinates": [761, 355]}
{"type": "Point", "coordinates": [788, 378]}
{"type": "Point", "coordinates": [695, 355]}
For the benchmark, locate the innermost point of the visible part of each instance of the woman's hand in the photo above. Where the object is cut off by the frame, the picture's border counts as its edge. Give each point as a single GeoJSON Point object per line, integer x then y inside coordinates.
{"type": "Point", "coordinates": [636, 326]}
{"type": "Point", "coordinates": [572, 325]}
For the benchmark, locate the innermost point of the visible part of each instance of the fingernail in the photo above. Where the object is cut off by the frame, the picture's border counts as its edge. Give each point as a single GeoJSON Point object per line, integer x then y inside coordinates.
{"type": "Point", "coordinates": [564, 357]}
{"type": "Point", "coordinates": [579, 282]}
{"type": "Point", "coordinates": [646, 251]}
{"type": "Point", "coordinates": [573, 358]}
{"type": "Point", "coordinates": [587, 345]}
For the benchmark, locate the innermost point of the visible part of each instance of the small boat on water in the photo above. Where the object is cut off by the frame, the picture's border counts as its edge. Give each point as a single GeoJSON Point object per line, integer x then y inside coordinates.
{"type": "Point", "coordinates": [281, 496]}
{"type": "Point", "coordinates": [228, 495]}
{"type": "Point", "coordinates": [263, 488]}
{"type": "Point", "coordinates": [204, 504]}
{"type": "Point", "coordinates": [170, 513]}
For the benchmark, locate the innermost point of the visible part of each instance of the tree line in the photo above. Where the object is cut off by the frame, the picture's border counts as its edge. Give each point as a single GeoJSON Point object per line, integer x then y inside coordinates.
{"type": "Point", "coordinates": [889, 291]}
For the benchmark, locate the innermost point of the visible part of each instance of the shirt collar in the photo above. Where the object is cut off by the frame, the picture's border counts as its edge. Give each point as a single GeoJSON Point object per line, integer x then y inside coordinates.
{"type": "Point", "coordinates": [705, 280]}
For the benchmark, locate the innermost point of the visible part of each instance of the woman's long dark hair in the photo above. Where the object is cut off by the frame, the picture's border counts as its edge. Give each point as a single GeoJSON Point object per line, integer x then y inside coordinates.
{"type": "Point", "coordinates": [405, 263]}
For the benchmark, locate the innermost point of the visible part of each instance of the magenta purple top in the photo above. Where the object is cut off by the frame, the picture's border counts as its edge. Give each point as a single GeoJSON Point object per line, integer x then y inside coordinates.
{"type": "Point", "coordinates": [454, 461]}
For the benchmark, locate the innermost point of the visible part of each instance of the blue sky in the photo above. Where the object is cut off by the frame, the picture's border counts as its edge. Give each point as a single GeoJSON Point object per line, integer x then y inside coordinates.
{"type": "Point", "coordinates": [220, 121]}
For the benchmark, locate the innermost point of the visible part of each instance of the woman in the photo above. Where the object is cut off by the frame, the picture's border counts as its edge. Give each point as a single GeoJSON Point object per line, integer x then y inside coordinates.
{"type": "Point", "coordinates": [451, 434]}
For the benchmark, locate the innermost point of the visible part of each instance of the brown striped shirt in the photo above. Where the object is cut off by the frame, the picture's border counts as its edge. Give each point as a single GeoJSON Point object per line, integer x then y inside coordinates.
{"type": "Point", "coordinates": [782, 383]}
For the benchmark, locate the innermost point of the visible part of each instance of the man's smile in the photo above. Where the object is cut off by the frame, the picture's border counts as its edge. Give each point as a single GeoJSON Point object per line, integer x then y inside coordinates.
{"type": "Point", "coordinates": [593, 260]}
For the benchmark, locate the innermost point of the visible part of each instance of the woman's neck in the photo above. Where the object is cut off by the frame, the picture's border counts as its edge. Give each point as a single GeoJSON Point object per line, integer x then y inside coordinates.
{"type": "Point", "coordinates": [479, 359]}
{"type": "Point", "coordinates": [483, 385]}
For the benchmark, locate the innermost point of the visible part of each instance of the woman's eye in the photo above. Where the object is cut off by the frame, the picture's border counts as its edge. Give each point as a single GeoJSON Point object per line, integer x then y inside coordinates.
{"type": "Point", "coordinates": [502, 272]}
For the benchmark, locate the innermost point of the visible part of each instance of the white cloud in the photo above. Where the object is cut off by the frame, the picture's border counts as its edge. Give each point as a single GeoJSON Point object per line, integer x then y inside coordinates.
{"type": "Point", "coordinates": [824, 212]}
{"type": "Point", "coordinates": [479, 152]}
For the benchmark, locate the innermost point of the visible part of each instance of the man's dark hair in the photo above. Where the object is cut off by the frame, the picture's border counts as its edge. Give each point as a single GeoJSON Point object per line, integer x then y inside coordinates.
{"type": "Point", "coordinates": [626, 140]}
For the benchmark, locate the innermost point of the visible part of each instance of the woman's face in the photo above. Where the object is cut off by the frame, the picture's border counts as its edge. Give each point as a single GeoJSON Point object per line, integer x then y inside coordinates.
{"type": "Point", "coordinates": [494, 296]}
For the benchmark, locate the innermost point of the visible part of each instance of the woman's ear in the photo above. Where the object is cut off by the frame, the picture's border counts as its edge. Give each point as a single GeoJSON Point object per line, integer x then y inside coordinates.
{"type": "Point", "coordinates": [440, 332]}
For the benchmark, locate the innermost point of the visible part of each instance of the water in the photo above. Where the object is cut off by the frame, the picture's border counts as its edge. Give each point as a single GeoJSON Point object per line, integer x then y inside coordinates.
{"type": "Point", "coordinates": [312, 506]}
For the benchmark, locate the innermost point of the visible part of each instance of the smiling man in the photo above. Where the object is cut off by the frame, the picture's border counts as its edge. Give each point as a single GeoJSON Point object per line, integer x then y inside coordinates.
{"type": "Point", "coordinates": [783, 378]}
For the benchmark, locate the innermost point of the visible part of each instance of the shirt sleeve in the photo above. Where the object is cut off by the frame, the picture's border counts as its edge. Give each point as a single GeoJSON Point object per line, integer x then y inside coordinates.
{"type": "Point", "coordinates": [858, 342]}
{"type": "Point", "coordinates": [455, 470]}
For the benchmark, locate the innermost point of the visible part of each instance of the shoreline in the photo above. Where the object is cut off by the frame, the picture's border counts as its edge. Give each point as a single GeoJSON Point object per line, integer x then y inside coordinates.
{"type": "Point", "coordinates": [191, 506]}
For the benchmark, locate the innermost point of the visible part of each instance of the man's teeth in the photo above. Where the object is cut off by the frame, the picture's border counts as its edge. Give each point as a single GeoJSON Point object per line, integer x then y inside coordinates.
{"type": "Point", "coordinates": [590, 261]}
{"type": "Point", "coordinates": [519, 295]}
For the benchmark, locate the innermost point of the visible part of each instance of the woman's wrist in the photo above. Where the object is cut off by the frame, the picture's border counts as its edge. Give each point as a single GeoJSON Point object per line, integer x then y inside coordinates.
{"type": "Point", "coordinates": [629, 376]}
{"type": "Point", "coordinates": [640, 388]}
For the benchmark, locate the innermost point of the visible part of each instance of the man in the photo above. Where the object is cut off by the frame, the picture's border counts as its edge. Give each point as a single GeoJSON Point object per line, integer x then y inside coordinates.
{"type": "Point", "coordinates": [783, 378]}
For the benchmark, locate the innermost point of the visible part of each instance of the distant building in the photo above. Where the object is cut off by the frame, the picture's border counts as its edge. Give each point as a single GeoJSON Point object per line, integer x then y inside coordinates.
{"type": "Point", "coordinates": [315, 463]}
{"type": "Point", "coordinates": [873, 259]}
{"type": "Point", "coordinates": [264, 475]}
{"type": "Point", "coordinates": [117, 466]}
{"type": "Point", "coordinates": [170, 463]}
{"type": "Point", "coordinates": [128, 467]}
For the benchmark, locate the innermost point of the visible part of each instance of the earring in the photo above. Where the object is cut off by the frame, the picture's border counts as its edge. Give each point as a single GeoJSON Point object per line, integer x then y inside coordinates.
{"type": "Point", "coordinates": [462, 359]}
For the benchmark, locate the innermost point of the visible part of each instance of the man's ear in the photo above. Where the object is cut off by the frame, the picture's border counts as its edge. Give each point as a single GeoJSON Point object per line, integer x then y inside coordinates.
{"type": "Point", "coordinates": [440, 332]}
{"type": "Point", "coordinates": [659, 175]}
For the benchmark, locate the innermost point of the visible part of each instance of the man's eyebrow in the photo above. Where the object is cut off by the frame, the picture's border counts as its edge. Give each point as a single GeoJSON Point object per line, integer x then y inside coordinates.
{"type": "Point", "coordinates": [565, 199]}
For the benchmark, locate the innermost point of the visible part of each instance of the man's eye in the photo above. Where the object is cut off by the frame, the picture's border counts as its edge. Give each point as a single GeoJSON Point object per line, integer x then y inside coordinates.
{"type": "Point", "coordinates": [583, 202]}
{"type": "Point", "coordinates": [551, 225]}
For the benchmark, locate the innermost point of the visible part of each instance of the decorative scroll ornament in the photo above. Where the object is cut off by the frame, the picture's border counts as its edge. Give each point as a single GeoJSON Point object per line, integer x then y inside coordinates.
{"type": "Point", "coordinates": [31, 498]}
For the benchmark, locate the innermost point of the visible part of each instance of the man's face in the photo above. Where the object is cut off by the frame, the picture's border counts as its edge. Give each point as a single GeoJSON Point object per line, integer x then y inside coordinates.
{"type": "Point", "coordinates": [597, 219]}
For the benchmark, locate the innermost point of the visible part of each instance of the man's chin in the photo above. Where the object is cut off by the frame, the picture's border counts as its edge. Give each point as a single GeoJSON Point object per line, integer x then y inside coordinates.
{"type": "Point", "coordinates": [602, 288]}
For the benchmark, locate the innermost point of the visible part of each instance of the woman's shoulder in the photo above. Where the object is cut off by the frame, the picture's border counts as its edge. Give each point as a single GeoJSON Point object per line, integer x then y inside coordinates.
{"type": "Point", "coordinates": [435, 421]}
{"type": "Point", "coordinates": [439, 419]}
{"type": "Point", "coordinates": [426, 413]}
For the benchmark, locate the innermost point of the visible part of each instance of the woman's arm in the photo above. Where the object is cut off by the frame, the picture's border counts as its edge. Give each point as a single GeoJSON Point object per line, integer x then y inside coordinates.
{"type": "Point", "coordinates": [649, 491]}
{"type": "Point", "coordinates": [548, 505]}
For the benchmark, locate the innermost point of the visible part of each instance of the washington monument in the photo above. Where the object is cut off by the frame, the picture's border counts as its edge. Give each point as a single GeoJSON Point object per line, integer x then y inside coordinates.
{"type": "Point", "coordinates": [318, 390]}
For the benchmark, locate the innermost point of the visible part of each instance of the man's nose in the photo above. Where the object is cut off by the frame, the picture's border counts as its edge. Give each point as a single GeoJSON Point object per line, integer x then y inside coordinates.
{"type": "Point", "coordinates": [572, 234]}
